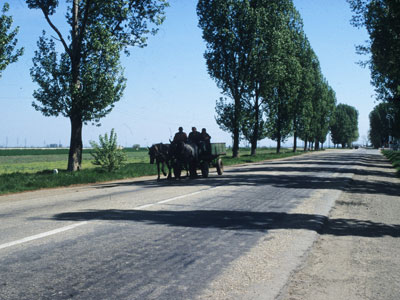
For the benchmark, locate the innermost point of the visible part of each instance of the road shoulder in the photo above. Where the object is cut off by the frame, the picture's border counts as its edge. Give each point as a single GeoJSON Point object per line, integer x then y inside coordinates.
{"type": "Point", "coordinates": [356, 255]}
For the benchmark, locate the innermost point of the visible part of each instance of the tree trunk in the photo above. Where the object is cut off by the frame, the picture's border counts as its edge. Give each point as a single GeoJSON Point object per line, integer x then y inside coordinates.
{"type": "Point", "coordinates": [316, 144]}
{"type": "Point", "coordinates": [305, 144]}
{"type": "Point", "coordinates": [278, 135]}
{"type": "Point", "coordinates": [295, 141]}
{"type": "Point", "coordinates": [295, 130]}
{"type": "Point", "coordinates": [235, 148]}
{"type": "Point", "coordinates": [76, 145]}
{"type": "Point", "coordinates": [278, 142]}
{"type": "Point", "coordinates": [278, 146]}
{"type": "Point", "coordinates": [236, 132]}
{"type": "Point", "coordinates": [256, 128]}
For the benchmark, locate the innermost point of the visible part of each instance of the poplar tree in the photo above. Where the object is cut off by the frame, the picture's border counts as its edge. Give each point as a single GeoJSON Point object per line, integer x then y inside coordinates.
{"type": "Point", "coordinates": [84, 80]}
{"type": "Point", "coordinates": [226, 30]}
{"type": "Point", "coordinates": [301, 108]}
{"type": "Point", "coordinates": [286, 74]}
{"type": "Point", "coordinates": [344, 126]}
{"type": "Point", "coordinates": [379, 125]}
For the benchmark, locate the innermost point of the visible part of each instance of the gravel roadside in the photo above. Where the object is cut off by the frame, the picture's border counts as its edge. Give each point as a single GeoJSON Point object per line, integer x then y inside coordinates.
{"type": "Point", "coordinates": [263, 272]}
{"type": "Point", "coordinates": [356, 256]}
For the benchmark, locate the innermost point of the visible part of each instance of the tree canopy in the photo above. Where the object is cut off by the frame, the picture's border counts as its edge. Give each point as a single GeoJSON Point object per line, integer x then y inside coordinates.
{"type": "Point", "coordinates": [344, 125]}
{"type": "Point", "coordinates": [8, 41]}
{"type": "Point", "coordinates": [381, 18]}
{"type": "Point", "coordinates": [379, 123]}
{"type": "Point", "coordinates": [260, 57]}
{"type": "Point", "coordinates": [226, 26]}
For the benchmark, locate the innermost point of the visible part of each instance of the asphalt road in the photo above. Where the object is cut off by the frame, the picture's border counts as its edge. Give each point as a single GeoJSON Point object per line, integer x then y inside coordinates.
{"type": "Point", "coordinates": [236, 235]}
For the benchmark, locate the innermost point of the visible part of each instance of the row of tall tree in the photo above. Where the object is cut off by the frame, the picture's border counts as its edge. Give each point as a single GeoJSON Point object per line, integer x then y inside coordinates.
{"type": "Point", "coordinates": [381, 18]}
{"type": "Point", "coordinates": [260, 57]}
{"type": "Point", "coordinates": [257, 52]}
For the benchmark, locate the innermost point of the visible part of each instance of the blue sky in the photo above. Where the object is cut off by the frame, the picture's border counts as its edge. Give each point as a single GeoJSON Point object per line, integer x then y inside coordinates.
{"type": "Point", "coordinates": [168, 85]}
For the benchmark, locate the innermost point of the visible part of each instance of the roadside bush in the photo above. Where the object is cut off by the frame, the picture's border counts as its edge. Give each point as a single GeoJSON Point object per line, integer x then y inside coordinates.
{"type": "Point", "coordinates": [394, 157]}
{"type": "Point", "coordinates": [107, 154]}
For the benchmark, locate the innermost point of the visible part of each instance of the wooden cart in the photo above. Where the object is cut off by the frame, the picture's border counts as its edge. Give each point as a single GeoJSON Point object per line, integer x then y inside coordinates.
{"type": "Point", "coordinates": [204, 161]}
{"type": "Point", "coordinates": [212, 159]}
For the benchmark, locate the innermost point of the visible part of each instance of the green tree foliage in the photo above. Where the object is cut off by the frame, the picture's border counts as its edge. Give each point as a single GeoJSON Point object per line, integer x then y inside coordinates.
{"type": "Point", "coordinates": [344, 125]}
{"type": "Point", "coordinates": [325, 103]}
{"type": "Point", "coordinates": [226, 31]}
{"type": "Point", "coordinates": [381, 18]}
{"type": "Point", "coordinates": [107, 154]}
{"type": "Point", "coordinates": [225, 114]}
{"type": "Point", "coordinates": [8, 41]}
{"type": "Point", "coordinates": [380, 123]}
{"type": "Point", "coordinates": [305, 88]}
{"type": "Point", "coordinates": [306, 118]}
{"type": "Point", "coordinates": [265, 39]}
{"type": "Point", "coordinates": [286, 73]}
{"type": "Point", "coordinates": [276, 68]}
{"type": "Point", "coordinates": [253, 127]}
{"type": "Point", "coordinates": [259, 56]}
{"type": "Point", "coordinates": [84, 81]}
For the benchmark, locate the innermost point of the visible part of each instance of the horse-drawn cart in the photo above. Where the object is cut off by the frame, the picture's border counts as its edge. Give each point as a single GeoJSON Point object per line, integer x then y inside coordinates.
{"type": "Point", "coordinates": [205, 160]}
{"type": "Point", "coordinates": [212, 159]}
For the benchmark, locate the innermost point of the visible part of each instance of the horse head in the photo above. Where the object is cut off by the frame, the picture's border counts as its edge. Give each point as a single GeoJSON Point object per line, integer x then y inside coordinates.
{"type": "Point", "coordinates": [153, 153]}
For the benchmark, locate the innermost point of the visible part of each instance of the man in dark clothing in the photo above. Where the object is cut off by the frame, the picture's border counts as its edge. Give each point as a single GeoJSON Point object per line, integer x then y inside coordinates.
{"type": "Point", "coordinates": [194, 136]}
{"type": "Point", "coordinates": [206, 139]}
{"type": "Point", "coordinates": [180, 136]}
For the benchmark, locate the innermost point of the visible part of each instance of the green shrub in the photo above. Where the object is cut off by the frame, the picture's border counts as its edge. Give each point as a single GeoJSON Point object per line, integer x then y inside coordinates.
{"type": "Point", "coordinates": [394, 157]}
{"type": "Point", "coordinates": [107, 154]}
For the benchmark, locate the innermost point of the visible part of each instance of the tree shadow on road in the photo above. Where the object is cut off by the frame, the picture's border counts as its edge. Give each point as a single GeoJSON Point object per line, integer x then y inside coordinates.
{"type": "Point", "coordinates": [287, 174]}
{"type": "Point", "coordinates": [259, 177]}
{"type": "Point", "coordinates": [240, 220]}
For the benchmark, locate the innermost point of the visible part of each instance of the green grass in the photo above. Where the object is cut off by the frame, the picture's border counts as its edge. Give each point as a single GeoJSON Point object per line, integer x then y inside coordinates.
{"type": "Point", "coordinates": [26, 161]}
{"type": "Point", "coordinates": [394, 157]}
{"type": "Point", "coordinates": [262, 154]}
{"type": "Point", "coordinates": [19, 182]}
{"type": "Point", "coordinates": [27, 171]}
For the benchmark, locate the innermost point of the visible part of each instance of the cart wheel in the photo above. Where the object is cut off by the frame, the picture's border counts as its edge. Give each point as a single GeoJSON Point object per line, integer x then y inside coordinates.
{"type": "Point", "coordinates": [220, 166]}
{"type": "Point", "coordinates": [204, 169]}
{"type": "Point", "coordinates": [177, 170]}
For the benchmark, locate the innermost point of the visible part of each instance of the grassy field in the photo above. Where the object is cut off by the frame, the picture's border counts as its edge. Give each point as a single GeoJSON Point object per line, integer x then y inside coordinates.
{"type": "Point", "coordinates": [26, 169]}
{"type": "Point", "coordinates": [394, 157]}
{"type": "Point", "coordinates": [36, 160]}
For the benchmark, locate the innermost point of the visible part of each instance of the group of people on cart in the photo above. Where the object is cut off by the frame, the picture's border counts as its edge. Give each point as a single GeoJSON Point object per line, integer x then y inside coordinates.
{"type": "Point", "coordinates": [186, 153]}
{"type": "Point", "coordinates": [200, 140]}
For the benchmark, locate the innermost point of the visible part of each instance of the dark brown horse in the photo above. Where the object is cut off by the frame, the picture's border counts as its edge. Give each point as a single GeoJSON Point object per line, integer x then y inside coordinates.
{"type": "Point", "coordinates": [160, 153]}
{"type": "Point", "coordinates": [185, 157]}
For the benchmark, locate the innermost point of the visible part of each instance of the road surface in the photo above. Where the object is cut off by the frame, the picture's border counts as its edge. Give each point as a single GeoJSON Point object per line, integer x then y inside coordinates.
{"type": "Point", "coordinates": [240, 235]}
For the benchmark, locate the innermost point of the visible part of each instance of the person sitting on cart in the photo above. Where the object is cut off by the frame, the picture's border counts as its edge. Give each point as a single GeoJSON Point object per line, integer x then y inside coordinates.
{"type": "Point", "coordinates": [180, 136]}
{"type": "Point", "coordinates": [194, 136]}
{"type": "Point", "coordinates": [194, 141]}
{"type": "Point", "coordinates": [206, 141]}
